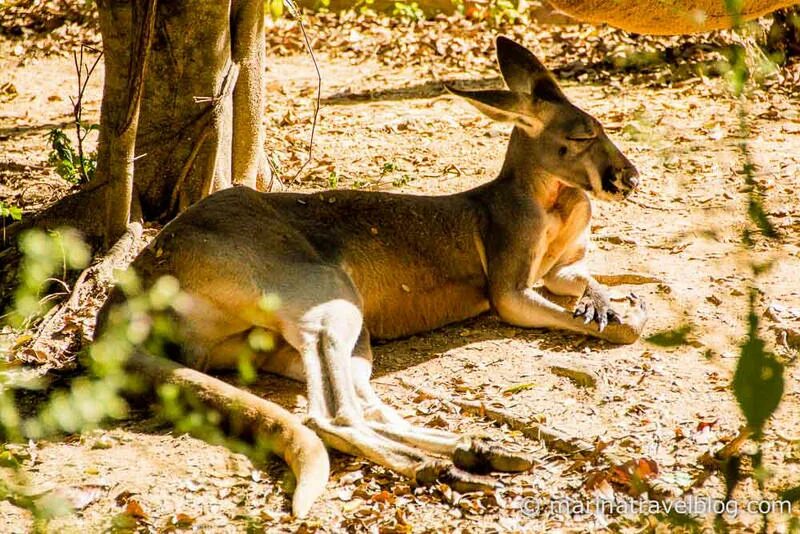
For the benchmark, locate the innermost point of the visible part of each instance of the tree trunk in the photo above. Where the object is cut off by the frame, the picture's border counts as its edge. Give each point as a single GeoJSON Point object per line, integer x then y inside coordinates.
{"type": "Point", "coordinates": [198, 128]}
{"type": "Point", "coordinates": [120, 112]}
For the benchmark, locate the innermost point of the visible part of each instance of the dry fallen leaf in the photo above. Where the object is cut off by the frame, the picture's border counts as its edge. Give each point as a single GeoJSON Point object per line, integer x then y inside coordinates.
{"type": "Point", "coordinates": [510, 390]}
{"type": "Point", "coordinates": [383, 497]}
{"type": "Point", "coordinates": [123, 497]}
{"type": "Point", "coordinates": [134, 509]}
{"type": "Point", "coordinates": [702, 425]}
{"type": "Point", "coordinates": [180, 520]}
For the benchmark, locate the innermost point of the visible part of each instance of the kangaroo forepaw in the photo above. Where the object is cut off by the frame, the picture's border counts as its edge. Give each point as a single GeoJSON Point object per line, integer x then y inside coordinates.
{"type": "Point", "coordinates": [637, 314]}
{"type": "Point", "coordinates": [480, 456]}
{"type": "Point", "coordinates": [461, 481]}
{"type": "Point", "coordinates": [631, 324]}
{"type": "Point", "coordinates": [595, 306]}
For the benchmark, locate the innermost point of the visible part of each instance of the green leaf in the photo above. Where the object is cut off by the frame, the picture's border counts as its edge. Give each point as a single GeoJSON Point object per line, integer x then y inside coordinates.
{"type": "Point", "coordinates": [10, 211]}
{"type": "Point", "coordinates": [7, 459]}
{"type": "Point", "coordinates": [758, 381]}
{"type": "Point", "coordinates": [276, 9]}
{"type": "Point", "coordinates": [790, 494]}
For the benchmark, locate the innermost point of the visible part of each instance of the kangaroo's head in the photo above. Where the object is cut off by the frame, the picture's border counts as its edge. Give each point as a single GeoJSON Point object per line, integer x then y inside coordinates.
{"type": "Point", "coordinates": [551, 135]}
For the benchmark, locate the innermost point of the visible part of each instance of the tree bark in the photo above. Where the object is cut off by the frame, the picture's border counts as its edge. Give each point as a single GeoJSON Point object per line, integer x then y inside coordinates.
{"type": "Point", "coordinates": [249, 163]}
{"type": "Point", "coordinates": [184, 139]}
{"type": "Point", "coordinates": [197, 126]}
{"type": "Point", "coordinates": [120, 112]}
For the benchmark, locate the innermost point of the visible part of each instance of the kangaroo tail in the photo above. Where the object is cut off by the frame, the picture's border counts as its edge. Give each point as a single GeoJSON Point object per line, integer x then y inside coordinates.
{"type": "Point", "coordinates": [251, 416]}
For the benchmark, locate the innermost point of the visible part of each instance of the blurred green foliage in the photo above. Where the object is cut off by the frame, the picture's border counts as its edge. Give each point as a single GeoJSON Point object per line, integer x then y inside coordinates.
{"type": "Point", "coordinates": [408, 11]}
{"type": "Point", "coordinates": [45, 255]}
{"type": "Point", "coordinates": [143, 321]}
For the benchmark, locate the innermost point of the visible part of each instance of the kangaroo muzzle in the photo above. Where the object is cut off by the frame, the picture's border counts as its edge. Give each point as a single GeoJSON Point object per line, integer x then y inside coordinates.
{"type": "Point", "coordinates": [620, 183]}
{"type": "Point", "coordinates": [630, 180]}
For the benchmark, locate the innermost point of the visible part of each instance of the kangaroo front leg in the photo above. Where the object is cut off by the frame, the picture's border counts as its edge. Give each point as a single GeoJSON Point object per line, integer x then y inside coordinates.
{"type": "Point", "coordinates": [574, 280]}
{"type": "Point", "coordinates": [528, 308]}
{"type": "Point", "coordinates": [514, 259]}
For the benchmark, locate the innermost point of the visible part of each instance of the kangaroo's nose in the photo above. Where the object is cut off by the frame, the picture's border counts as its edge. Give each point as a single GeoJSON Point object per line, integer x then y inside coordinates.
{"type": "Point", "coordinates": [630, 177]}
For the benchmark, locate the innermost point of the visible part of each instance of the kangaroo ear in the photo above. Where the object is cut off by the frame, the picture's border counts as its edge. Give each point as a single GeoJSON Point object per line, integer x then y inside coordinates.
{"type": "Point", "coordinates": [501, 106]}
{"type": "Point", "coordinates": [524, 73]}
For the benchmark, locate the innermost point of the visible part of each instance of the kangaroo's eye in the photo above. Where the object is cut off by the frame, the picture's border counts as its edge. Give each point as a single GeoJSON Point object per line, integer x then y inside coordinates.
{"type": "Point", "coordinates": [562, 151]}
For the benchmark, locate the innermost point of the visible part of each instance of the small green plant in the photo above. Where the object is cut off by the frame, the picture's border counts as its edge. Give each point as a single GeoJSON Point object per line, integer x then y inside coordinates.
{"type": "Point", "coordinates": [409, 12]}
{"type": "Point", "coordinates": [10, 211]}
{"type": "Point", "coordinates": [403, 180]}
{"type": "Point", "coordinates": [70, 164]}
{"type": "Point", "coordinates": [333, 180]}
{"type": "Point", "coordinates": [494, 12]}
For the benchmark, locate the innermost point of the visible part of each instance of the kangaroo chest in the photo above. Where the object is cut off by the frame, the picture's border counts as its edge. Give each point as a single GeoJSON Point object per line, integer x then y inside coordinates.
{"type": "Point", "coordinates": [562, 238]}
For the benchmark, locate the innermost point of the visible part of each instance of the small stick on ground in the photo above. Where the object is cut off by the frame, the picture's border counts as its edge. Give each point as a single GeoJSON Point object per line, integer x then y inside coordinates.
{"type": "Point", "coordinates": [626, 279]}
{"type": "Point", "coordinates": [554, 439]}
{"type": "Point", "coordinates": [582, 375]}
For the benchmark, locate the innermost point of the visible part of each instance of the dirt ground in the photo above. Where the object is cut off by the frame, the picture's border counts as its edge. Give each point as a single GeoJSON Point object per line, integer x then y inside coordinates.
{"type": "Point", "coordinates": [385, 125]}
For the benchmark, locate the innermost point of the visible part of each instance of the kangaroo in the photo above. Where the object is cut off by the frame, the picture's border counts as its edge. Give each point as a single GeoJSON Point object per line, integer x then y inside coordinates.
{"type": "Point", "coordinates": [351, 265]}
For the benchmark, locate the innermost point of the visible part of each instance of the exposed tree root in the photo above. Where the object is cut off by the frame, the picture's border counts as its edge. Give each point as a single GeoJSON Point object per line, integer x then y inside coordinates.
{"type": "Point", "coordinates": [83, 209]}
{"type": "Point", "coordinates": [64, 328]}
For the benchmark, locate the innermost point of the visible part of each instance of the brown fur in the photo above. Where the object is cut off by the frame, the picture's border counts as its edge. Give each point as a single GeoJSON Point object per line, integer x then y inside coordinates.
{"type": "Point", "coordinates": [348, 265]}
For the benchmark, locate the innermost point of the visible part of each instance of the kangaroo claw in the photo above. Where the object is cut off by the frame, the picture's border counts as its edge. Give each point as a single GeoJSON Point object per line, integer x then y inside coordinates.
{"type": "Point", "coordinates": [461, 481]}
{"type": "Point", "coordinates": [480, 456]}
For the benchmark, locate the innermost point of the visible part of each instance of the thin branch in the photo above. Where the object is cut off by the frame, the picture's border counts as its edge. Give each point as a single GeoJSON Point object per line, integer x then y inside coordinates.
{"type": "Point", "coordinates": [299, 17]}
{"type": "Point", "coordinates": [77, 104]}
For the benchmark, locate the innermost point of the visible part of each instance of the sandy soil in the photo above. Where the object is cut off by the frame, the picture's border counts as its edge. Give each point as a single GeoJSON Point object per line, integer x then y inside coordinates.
{"type": "Point", "coordinates": [683, 228]}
